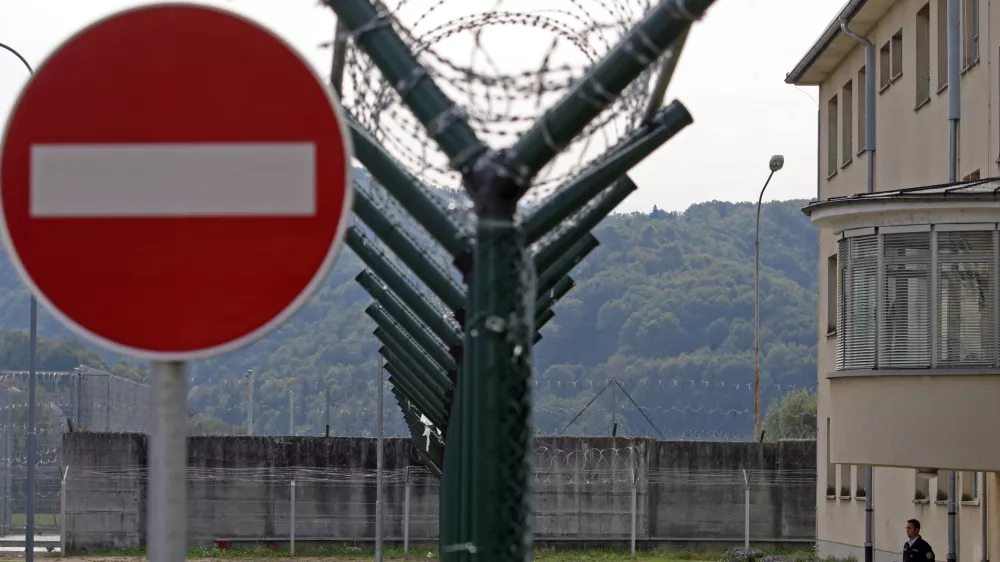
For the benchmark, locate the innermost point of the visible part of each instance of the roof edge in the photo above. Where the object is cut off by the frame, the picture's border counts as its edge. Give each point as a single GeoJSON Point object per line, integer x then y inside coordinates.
{"type": "Point", "coordinates": [847, 14]}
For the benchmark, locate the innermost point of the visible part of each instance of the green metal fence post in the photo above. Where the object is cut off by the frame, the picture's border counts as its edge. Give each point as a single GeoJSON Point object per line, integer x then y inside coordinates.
{"type": "Point", "coordinates": [595, 178]}
{"type": "Point", "coordinates": [549, 298]}
{"type": "Point", "coordinates": [444, 121]}
{"type": "Point", "coordinates": [486, 505]}
{"type": "Point", "coordinates": [402, 288]}
{"type": "Point", "coordinates": [408, 252]}
{"type": "Point", "coordinates": [429, 373]}
{"type": "Point", "coordinates": [590, 219]}
{"type": "Point", "coordinates": [661, 27]}
{"type": "Point", "coordinates": [544, 317]}
{"type": "Point", "coordinates": [410, 383]}
{"type": "Point", "coordinates": [566, 262]}
{"type": "Point", "coordinates": [407, 190]}
{"type": "Point", "coordinates": [389, 307]}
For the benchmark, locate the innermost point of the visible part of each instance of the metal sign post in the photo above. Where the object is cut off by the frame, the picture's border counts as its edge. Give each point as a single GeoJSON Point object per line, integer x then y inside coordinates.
{"type": "Point", "coordinates": [168, 463]}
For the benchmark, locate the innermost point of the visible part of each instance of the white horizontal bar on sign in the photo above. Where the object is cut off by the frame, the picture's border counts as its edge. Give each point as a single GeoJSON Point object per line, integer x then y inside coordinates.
{"type": "Point", "coordinates": [173, 180]}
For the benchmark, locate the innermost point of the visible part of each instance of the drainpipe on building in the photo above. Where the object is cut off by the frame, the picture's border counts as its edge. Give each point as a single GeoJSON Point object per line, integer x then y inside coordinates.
{"type": "Point", "coordinates": [870, 96]}
{"type": "Point", "coordinates": [985, 515]}
{"type": "Point", "coordinates": [954, 114]}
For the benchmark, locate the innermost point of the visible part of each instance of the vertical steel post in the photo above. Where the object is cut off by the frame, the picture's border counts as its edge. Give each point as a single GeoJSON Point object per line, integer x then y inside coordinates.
{"type": "Point", "coordinates": [380, 460]}
{"type": "Point", "coordinates": [327, 409]}
{"type": "Point", "coordinates": [614, 413]}
{"type": "Point", "coordinates": [291, 521]}
{"type": "Point", "coordinates": [79, 400]}
{"type": "Point", "coordinates": [167, 512]}
{"type": "Point", "coordinates": [635, 502]}
{"type": "Point", "coordinates": [746, 510]}
{"type": "Point", "coordinates": [5, 465]}
{"type": "Point", "coordinates": [954, 115]}
{"type": "Point", "coordinates": [250, 402]}
{"type": "Point", "coordinates": [107, 402]}
{"type": "Point", "coordinates": [984, 516]}
{"type": "Point", "coordinates": [406, 515]}
{"type": "Point", "coordinates": [32, 437]}
{"type": "Point", "coordinates": [869, 542]}
{"type": "Point", "coordinates": [62, 512]}
{"type": "Point", "coordinates": [8, 462]}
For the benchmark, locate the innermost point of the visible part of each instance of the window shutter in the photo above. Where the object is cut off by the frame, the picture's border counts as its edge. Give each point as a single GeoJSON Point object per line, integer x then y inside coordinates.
{"type": "Point", "coordinates": [860, 325]}
{"type": "Point", "coordinates": [965, 300]}
{"type": "Point", "coordinates": [905, 325]}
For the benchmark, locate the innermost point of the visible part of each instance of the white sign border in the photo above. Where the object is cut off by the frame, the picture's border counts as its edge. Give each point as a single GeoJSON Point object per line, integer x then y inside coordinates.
{"type": "Point", "coordinates": [319, 277]}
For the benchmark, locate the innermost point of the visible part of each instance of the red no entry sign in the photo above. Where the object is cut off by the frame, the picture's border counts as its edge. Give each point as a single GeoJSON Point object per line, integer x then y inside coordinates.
{"type": "Point", "coordinates": [174, 182]}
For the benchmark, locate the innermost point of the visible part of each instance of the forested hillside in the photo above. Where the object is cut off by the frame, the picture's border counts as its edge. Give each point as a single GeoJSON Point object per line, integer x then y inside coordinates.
{"type": "Point", "coordinates": [664, 305]}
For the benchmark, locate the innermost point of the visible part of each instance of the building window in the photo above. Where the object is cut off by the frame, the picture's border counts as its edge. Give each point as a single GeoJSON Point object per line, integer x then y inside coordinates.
{"type": "Point", "coordinates": [857, 287]}
{"type": "Point", "coordinates": [860, 482]}
{"type": "Point", "coordinates": [897, 54]}
{"type": "Point", "coordinates": [884, 62]}
{"type": "Point", "coordinates": [847, 119]}
{"type": "Point", "coordinates": [918, 297]}
{"type": "Point", "coordinates": [845, 481]}
{"type": "Point", "coordinates": [862, 109]}
{"type": "Point", "coordinates": [966, 299]}
{"type": "Point", "coordinates": [942, 43]}
{"type": "Point", "coordinates": [941, 494]}
{"type": "Point", "coordinates": [974, 176]}
{"type": "Point", "coordinates": [922, 487]}
{"type": "Point", "coordinates": [831, 139]}
{"type": "Point", "coordinates": [831, 295]}
{"type": "Point", "coordinates": [970, 32]}
{"type": "Point", "coordinates": [831, 470]}
{"type": "Point", "coordinates": [923, 74]}
{"type": "Point", "coordinates": [970, 487]}
{"type": "Point", "coordinates": [905, 324]}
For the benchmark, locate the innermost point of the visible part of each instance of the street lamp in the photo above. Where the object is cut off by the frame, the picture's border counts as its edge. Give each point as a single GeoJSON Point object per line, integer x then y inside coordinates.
{"type": "Point", "coordinates": [776, 163]}
{"type": "Point", "coordinates": [32, 435]}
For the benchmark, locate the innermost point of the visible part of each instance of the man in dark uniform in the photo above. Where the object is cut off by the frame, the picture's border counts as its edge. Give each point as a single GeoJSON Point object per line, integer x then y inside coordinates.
{"type": "Point", "coordinates": [916, 548]}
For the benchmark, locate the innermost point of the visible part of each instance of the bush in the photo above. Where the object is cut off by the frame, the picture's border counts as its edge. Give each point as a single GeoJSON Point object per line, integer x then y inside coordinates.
{"type": "Point", "coordinates": [742, 555]}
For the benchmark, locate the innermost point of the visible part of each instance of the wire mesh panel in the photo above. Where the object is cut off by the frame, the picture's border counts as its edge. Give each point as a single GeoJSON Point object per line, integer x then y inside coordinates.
{"type": "Point", "coordinates": [110, 403]}
{"type": "Point", "coordinates": [82, 400]}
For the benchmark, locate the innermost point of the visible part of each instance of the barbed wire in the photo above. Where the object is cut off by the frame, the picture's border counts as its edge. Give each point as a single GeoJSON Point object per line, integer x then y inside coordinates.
{"type": "Point", "coordinates": [466, 46]}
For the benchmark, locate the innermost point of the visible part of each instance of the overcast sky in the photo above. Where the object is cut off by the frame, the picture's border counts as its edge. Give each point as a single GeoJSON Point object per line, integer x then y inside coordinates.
{"type": "Point", "coordinates": [731, 78]}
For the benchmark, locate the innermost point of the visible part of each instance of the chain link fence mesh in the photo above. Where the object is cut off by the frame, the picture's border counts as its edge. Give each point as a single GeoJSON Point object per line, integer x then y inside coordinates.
{"type": "Point", "coordinates": [586, 495]}
{"type": "Point", "coordinates": [81, 400]}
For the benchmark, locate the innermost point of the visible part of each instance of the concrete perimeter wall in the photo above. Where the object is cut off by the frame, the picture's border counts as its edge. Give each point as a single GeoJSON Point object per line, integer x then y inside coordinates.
{"type": "Point", "coordinates": [239, 489]}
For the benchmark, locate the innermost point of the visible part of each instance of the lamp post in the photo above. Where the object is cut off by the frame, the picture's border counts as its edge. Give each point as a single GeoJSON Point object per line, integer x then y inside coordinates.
{"type": "Point", "coordinates": [31, 437]}
{"type": "Point", "coordinates": [776, 163]}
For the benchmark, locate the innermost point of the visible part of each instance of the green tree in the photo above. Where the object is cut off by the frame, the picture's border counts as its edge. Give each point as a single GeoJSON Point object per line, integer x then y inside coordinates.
{"type": "Point", "coordinates": [665, 305]}
{"type": "Point", "coordinates": [793, 416]}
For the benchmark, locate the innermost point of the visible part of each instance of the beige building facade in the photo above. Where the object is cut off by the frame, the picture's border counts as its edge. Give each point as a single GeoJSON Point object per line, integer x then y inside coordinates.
{"type": "Point", "coordinates": [909, 276]}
